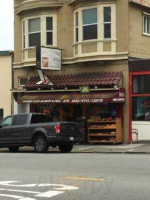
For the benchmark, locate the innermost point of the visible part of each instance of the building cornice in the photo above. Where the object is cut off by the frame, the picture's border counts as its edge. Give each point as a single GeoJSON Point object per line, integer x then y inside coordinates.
{"type": "Point", "coordinates": [143, 3]}
{"type": "Point", "coordinates": [29, 5]}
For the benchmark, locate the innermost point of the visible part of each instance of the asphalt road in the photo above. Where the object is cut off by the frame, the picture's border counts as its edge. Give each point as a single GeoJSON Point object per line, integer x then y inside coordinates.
{"type": "Point", "coordinates": [55, 176]}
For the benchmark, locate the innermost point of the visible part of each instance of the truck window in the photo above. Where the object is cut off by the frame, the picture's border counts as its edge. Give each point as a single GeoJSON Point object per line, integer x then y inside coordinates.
{"type": "Point", "coordinates": [40, 119]}
{"type": "Point", "coordinates": [7, 121]}
{"type": "Point", "coordinates": [19, 120]}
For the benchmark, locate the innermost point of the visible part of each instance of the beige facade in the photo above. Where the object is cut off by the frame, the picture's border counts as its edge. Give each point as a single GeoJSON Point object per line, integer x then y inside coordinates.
{"type": "Point", "coordinates": [6, 82]}
{"type": "Point", "coordinates": [94, 55]}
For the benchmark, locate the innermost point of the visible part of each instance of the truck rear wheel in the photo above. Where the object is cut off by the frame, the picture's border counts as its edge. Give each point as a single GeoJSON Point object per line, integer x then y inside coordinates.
{"type": "Point", "coordinates": [40, 144]}
{"type": "Point", "coordinates": [65, 148]}
{"type": "Point", "coordinates": [14, 149]}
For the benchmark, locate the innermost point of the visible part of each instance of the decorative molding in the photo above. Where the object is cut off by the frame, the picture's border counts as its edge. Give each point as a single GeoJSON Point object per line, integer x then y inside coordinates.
{"type": "Point", "coordinates": [28, 5]}
{"type": "Point", "coordinates": [145, 3]}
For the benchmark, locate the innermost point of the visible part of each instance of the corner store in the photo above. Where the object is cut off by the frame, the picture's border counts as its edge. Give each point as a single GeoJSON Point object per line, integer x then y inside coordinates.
{"type": "Point", "coordinates": [99, 95]}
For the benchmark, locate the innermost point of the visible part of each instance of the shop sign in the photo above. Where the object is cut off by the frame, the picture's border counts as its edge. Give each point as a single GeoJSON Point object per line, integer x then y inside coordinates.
{"type": "Point", "coordinates": [48, 58]}
{"type": "Point", "coordinates": [118, 99]}
{"type": "Point", "coordinates": [85, 89]}
{"type": "Point", "coordinates": [142, 2]}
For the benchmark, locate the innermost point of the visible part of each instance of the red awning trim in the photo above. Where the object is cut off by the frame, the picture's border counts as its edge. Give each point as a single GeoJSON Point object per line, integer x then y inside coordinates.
{"type": "Point", "coordinates": [94, 97]}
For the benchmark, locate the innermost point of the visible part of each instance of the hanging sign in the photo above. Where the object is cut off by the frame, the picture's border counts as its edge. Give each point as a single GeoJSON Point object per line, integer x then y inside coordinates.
{"type": "Point", "coordinates": [48, 58]}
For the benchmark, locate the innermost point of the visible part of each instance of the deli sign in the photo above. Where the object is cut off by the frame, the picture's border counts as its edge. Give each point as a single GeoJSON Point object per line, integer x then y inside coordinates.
{"type": "Point", "coordinates": [142, 2]}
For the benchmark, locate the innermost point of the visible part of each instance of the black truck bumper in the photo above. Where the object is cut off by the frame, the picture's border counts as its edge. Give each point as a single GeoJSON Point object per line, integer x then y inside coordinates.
{"type": "Point", "coordinates": [65, 139]}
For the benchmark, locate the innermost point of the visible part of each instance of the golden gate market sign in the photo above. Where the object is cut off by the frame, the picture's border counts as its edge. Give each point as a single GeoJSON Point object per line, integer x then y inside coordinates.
{"type": "Point", "coordinates": [142, 2]}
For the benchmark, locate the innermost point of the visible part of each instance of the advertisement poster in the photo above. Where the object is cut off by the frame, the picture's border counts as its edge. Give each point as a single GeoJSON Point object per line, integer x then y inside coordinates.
{"type": "Point", "coordinates": [50, 59]}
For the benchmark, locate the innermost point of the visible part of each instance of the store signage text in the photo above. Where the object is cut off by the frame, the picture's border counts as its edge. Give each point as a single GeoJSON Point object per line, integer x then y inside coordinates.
{"type": "Point", "coordinates": [65, 101]}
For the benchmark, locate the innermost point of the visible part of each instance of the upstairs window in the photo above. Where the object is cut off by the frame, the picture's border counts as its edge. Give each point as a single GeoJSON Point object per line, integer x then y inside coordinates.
{"type": "Point", "coordinates": [95, 23]}
{"type": "Point", "coordinates": [34, 32]}
{"type": "Point", "coordinates": [107, 22]}
{"type": "Point", "coordinates": [39, 31]}
{"type": "Point", "coordinates": [49, 30]}
{"type": "Point", "coordinates": [89, 18]}
{"type": "Point", "coordinates": [77, 27]}
{"type": "Point", "coordinates": [141, 84]}
{"type": "Point", "coordinates": [146, 24]}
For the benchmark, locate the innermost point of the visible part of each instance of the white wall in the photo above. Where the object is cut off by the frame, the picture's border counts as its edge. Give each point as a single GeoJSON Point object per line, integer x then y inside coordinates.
{"type": "Point", "coordinates": [143, 129]}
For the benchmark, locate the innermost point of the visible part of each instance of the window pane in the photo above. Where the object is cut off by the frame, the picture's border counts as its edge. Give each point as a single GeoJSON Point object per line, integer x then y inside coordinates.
{"type": "Point", "coordinates": [141, 108]}
{"type": "Point", "coordinates": [107, 30]}
{"type": "Point", "coordinates": [141, 84]}
{"type": "Point", "coordinates": [7, 121]}
{"type": "Point", "coordinates": [148, 25]}
{"type": "Point", "coordinates": [23, 27]}
{"type": "Point", "coordinates": [19, 120]}
{"type": "Point", "coordinates": [34, 39]}
{"type": "Point", "coordinates": [145, 25]}
{"type": "Point", "coordinates": [107, 14]}
{"type": "Point", "coordinates": [89, 16]}
{"type": "Point", "coordinates": [22, 80]}
{"type": "Point", "coordinates": [90, 32]}
{"type": "Point", "coordinates": [24, 44]}
{"type": "Point", "coordinates": [77, 19]}
{"type": "Point", "coordinates": [34, 25]}
{"type": "Point", "coordinates": [49, 38]}
{"type": "Point", "coordinates": [77, 35]}
{"type": "Point", "coordinates": [40, 119]}
{"type": "Point", "coordinates": [49, 23]}
{"type": "Point", "coordinates": [1, 114]}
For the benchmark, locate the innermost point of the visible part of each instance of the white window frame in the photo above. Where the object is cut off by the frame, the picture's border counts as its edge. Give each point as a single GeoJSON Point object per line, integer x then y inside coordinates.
{"type": "Point", "coordinates": [43, 30]}
{"type": "Point", "coordinates": [100, 23]}
{"type": "Point", "coordinates": [146, 15]}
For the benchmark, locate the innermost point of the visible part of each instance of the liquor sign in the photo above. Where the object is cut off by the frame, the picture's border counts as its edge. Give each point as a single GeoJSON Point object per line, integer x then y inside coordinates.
{"type": "Point", "coordinates": [142, 2]}
{"type": "Point", "coordinates": [48, 58]}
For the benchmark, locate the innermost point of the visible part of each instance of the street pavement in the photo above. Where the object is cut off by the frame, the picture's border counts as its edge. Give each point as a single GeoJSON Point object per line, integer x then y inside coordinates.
{"type": "Point", "coordinates": [74, 176]}
{"type": "Point", "coordinates": [142, 147]}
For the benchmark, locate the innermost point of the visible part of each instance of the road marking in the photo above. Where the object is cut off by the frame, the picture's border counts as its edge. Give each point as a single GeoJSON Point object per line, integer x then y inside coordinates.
{"type": "Point", "coordinates": [49, 194]}
{"type": "Point", "coordinates": [62, 187]}
{"type": "Point", "coordinates": [16, 197]}
{"type": "Point", "coordinates": [54, 190]}
{"type": "Point", "coordinates": [85, 179]}
{"type": "Point", "coordinates": [23, 191]}
{"type": "Point", "coordinates": [8, 183]}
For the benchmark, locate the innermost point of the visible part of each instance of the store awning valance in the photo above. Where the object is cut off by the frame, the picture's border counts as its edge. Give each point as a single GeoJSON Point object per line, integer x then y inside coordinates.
{"type": "Point", "coordinates": [74, 97]}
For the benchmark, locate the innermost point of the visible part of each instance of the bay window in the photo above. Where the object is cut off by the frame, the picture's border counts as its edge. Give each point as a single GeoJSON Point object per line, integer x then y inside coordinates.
{"type": "Point", "coordinates": [146, 24]}
{"type": "Point", "coordinates": [39, 31]}
{"type": "Point", "coordinates": [95, 23]}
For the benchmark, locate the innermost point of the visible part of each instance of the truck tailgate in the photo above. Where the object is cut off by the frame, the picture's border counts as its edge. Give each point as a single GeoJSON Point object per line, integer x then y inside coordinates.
{"type": "Point", "coordinates": [71, 129]}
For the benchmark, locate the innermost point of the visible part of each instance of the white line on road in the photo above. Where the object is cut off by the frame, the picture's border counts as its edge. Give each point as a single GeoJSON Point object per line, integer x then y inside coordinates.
{"type": "Point", "coordinates": [16, 197]}
{"type": "Point", "coordinates": [49, 194]}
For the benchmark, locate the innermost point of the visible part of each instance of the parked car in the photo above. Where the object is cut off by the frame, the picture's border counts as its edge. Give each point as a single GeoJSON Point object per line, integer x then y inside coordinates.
{"type": "Point", "coordinates": [33, 129]}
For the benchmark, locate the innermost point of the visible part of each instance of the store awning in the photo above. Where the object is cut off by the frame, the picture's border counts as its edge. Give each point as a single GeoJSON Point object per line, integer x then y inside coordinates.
{"type": "Point", "coordinates": [74, 97]}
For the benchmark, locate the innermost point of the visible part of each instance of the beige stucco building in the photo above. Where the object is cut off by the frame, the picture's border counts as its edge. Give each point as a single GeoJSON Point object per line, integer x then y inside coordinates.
{"type": "Point", "coordinates": [6, 59]}
{"type": "Point", "coordinates": [94, 35]}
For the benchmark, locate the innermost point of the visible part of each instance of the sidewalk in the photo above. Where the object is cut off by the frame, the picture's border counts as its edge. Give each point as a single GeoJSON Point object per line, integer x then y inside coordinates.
{"type": "Point", "coordinates": [140, 148]}
{"type": "Point", "coordinates": [121, 148]}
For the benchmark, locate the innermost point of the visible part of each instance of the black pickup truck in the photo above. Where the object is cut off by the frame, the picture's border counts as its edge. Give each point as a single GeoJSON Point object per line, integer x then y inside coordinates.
{"type": "Point", "coordinates": [35, 129]}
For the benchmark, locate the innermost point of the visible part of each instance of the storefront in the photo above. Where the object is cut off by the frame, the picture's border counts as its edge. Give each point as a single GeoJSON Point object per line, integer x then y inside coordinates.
{"type": "Point", "coordinates": [139, 100]}
{"type": "Point", "coordinates": [99, 109]}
